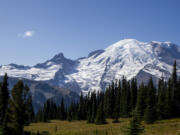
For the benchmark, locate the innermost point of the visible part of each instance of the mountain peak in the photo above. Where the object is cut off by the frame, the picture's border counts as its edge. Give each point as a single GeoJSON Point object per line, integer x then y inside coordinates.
{"type": "Point", "coordinates": [133, 43]}
{"type": "Point", "coordinates": [129, 40]}
{"type": "Point", "coordinates": [56, 59]}
{"type": "Point", "coordinates": [59, 56]}
{"type": "Point", "coordinates": [125, 43]}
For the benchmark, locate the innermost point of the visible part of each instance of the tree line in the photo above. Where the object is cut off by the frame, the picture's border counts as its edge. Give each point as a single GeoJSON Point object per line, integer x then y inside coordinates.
{"type": "Point", "coordinates": [122, 98]}
{"type": "Point", "coordinates": [16, 108]}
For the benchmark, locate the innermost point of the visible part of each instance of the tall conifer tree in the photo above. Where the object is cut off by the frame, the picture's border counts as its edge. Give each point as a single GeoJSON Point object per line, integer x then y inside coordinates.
{"type": "Point", "coordinates": [141, 100]}
{"type": "Point", "coordinates": [135, 127]}
{"type": "Point", "coordinates": [175, 92]}
{"type": "Point", "coordinates": [150, 112]}
{"type": "Point", "coordinates": [100, 117]}
{"type": "Point", "coordinates": [18, 107]}
{"type": "Point", "coordinates": [4, 97]}
{"type": "Point", "coordinates": [161, 114]}
{"type": "Point", "coordinates": [62, 110]}
{"type": "Point", "coordinates": [4, 101]}
{"type": "Point", "coordinates": [133, 92]}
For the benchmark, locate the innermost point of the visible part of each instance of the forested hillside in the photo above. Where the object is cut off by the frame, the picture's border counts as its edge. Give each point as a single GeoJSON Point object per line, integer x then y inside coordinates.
{"type": "Point", "coordinates": [121, 99]}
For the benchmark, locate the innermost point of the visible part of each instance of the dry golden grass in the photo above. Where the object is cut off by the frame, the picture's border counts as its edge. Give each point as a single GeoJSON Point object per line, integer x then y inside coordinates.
{"type": "Point", "coordinates": [164, 127]}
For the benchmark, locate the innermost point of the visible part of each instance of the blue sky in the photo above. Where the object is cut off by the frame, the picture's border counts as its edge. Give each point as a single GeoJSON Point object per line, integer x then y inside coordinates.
{"type": "Point", "coordinates": [32, 31]}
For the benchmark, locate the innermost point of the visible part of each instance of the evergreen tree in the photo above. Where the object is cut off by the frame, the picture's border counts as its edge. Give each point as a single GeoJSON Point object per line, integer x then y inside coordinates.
{"type": "Point", "coordinates": [92, 107]}
{"type": "Point", "coordinates": [133, 92]}
{"type": "Point", "coordinates": [174, 75]}
{"type": "Point", "coordinates": [135, 127]}
{"type": "Point", "coordinates": [116, 116]}
{"type": "Point", "coordinates": [168, 101]}
{"type": "Point", "coordinates": [4, 97]}
{"type": "Point", "coordinates": [62, 110]}
{"type": "Point", "coordinates": [89, 107]}
{"type": "Point", "coordinates": [4, 101]}
{"type": "Point", "coordinates": [30, 110]}
{"type": "Point", "coordinates": [40, 116]}
{"type": "Point", "coordinates": [160, 99]}
{"type": "Point", "coordinates": [117, 102]}
{"type": "Point", "coordinates": [116, 111]}
{"type": "Point", "coordinates": [175, 92]}
{"type": "Point", "coordinates": [149, 114]}
{"type": "Point", "coordinates": [18, 107]}
{"type": "Point", "coordinates": [100, 117]}
{"type": "Point", "coordinates": [125, 98]}
{"type": "Point", "coordinates": [69, 115]}
{"type": "Point", "coordinates": [81, 109]}
{"type": "Point", "coordinates": [172, 100]}
{"type": "Point", "coordinates": [108, 102]}
{"type": "Point", "coordinates": [141, 100]}
{"type": "Point", "coordinates": [113, 99]}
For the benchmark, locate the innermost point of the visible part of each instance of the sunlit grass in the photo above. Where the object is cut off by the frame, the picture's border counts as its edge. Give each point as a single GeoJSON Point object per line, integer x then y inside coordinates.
{"type": "Point", "coordinates": [55, 127]}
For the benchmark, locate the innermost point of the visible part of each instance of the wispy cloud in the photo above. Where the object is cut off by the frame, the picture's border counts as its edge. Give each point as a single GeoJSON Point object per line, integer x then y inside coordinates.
{"type": "Point", "coordinates": [28, 33]}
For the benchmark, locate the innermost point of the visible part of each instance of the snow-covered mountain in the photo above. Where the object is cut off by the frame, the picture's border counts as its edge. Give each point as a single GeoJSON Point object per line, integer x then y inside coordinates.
{"type": "Point", "coordinates": [128, 57]}
{"type": "Point", "coordinates": [40, 72]}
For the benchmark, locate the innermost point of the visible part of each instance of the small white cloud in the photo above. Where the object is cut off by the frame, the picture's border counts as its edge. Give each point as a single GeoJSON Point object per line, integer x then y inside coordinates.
{"type": "Point", "coordinates": [29, 33]}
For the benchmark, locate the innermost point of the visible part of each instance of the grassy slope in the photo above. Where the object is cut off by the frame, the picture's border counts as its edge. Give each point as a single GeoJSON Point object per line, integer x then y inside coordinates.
{"type": "Point", "coordinates": [164, 127]}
